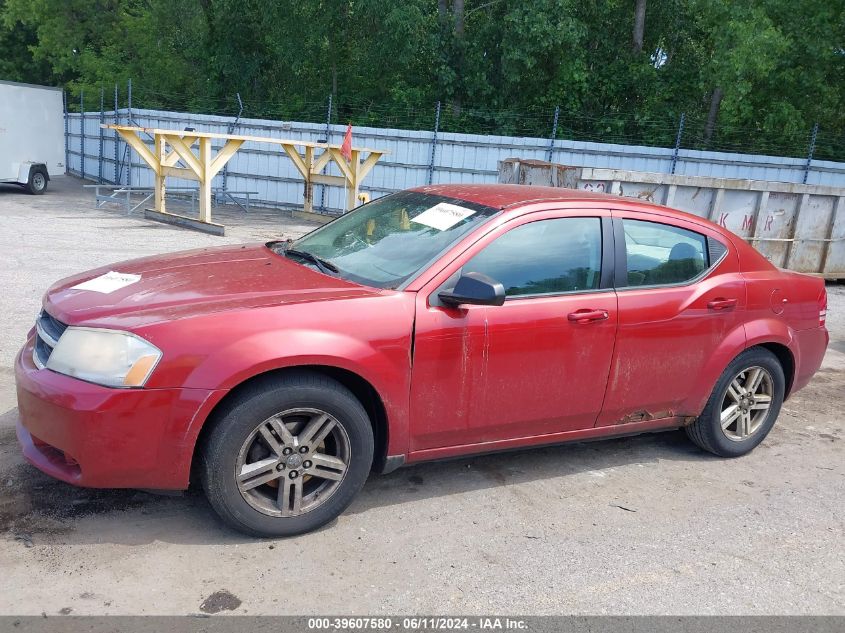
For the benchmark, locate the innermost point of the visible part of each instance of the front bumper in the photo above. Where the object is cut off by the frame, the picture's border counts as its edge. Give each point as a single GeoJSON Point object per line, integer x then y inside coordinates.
{"type": "Point", "coordinates": [100, 437]}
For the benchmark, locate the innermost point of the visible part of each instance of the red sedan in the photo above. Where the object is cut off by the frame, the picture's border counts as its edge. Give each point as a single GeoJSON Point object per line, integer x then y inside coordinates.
{"type": "Point", "coordinates": [436, 322]}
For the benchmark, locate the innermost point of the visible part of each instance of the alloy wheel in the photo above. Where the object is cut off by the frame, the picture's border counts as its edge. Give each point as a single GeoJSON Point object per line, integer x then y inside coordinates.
{"type": "Point", "coordinates": [746, 403]}
{"type": "Point", "coordinates": [293, 462]}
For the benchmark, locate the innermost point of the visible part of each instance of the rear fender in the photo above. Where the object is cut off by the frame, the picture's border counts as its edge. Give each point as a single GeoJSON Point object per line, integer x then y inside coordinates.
{"type": "Point", "coordinates": [741, 338]}
{"type": "Point", "coordinates": [776, 331]}
{"type": "Point", "coordinates": [730, 347]}
{"type": "Point", "coordinates": [769, 331]}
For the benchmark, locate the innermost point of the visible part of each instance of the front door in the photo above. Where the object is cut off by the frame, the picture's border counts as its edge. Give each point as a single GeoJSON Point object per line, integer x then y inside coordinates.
{"type": "Point", "coordinates": [536, 365]}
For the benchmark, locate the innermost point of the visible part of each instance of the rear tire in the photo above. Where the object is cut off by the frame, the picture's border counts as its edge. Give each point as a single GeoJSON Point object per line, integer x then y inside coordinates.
{"type": "Point", "coordinates": [37, 183]}
{"type": "Point", "coordinates": [743, 407]}
{"type": "Point", "coordinates": [287, 456]}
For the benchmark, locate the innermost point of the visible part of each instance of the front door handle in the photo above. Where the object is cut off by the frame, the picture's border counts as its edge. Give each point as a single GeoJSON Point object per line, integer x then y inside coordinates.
{"type": "Point", "coordinates": [587, 316]}
{"type": "Point", "coordinates": [721, 304]}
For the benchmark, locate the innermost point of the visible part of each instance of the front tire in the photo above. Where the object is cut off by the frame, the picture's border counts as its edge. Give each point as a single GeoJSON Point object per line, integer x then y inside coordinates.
{"type": "Point", "coordinates": [287, 456]}
{"type": "Point", "coordinates": [37, 183]}
{"type": "Point", "coordinates": [743, 407]}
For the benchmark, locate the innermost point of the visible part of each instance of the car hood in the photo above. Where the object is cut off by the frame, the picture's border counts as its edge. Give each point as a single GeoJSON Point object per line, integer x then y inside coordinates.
{"type": "Point", "coordinates": [192, 283]}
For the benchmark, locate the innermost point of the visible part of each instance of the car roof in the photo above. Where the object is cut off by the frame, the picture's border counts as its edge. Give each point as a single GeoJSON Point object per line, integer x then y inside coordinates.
{"type": "Point", "coordinates": [504, 196]}
{"type": "Point", "coordinates": [515, 196]}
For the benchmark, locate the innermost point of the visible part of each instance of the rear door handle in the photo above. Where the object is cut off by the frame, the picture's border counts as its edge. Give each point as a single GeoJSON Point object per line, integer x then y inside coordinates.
{"type": "Point", "coordinates": [587, 316]}
{"type": "Point", "coordinates": [722, 304]}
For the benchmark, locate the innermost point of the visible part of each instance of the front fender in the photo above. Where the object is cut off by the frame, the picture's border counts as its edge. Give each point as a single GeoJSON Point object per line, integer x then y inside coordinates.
{"type": "Point", "coordinates": [260, 352]}
{"type": "Point", "coordinates": [387, 370]}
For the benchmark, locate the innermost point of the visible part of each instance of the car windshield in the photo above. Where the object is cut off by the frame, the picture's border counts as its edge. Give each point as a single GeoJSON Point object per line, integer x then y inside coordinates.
{"type": "Point", "coordinates": [388, 241]}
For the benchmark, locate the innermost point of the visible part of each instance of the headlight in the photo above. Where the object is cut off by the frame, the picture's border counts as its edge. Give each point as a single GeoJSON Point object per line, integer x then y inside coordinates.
{"type": "Point", "coordinates": [105, 357]}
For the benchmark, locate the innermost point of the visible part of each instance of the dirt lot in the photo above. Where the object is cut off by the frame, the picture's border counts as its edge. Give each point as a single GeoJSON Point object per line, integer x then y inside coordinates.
{"type": "Point", "coordinates": [641, 525]}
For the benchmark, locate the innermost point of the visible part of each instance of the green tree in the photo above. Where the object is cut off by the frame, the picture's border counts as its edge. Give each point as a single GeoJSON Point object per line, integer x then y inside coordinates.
{"type": "Point", "coordinates": [752, 76]}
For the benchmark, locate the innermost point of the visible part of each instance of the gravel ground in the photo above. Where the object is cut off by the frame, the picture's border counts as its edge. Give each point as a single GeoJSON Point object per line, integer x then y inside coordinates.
{"type": "Point", "coordinates": [642, 525]}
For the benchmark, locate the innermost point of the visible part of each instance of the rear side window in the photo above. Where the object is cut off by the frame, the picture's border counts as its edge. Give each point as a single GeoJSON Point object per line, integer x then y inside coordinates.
{"type": "Point", "coordinates": [659, 254]}
{"type": "Point", "coordinates": [544, 257]}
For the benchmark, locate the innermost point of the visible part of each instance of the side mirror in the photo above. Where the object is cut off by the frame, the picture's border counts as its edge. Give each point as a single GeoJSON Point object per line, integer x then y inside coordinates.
{"type": "Point", "coordinates": [474, 289]}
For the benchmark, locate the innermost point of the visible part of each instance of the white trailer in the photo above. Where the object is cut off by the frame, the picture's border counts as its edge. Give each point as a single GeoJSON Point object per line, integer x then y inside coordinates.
{"type": "Point", "coordinates": [31, 135]}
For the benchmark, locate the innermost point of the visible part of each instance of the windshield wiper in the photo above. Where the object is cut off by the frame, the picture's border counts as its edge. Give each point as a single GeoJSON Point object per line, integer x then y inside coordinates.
{"type": "Point", "coordinates": [324, 265]}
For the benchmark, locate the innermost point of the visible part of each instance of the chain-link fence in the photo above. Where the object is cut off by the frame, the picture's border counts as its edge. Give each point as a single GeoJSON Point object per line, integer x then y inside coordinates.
{"type": "Point", "coordinates": [442, 144]}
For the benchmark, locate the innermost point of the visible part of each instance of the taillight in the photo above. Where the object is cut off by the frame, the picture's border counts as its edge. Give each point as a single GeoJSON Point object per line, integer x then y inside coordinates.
{"type": "Point", "coordinates": [822, 307]}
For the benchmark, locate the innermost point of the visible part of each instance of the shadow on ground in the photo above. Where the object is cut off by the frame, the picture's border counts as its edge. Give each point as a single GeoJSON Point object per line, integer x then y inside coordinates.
{"type": "Point", "coordinates": [6, 189]}
{"type": "Point", "coordinates": [36, 508]}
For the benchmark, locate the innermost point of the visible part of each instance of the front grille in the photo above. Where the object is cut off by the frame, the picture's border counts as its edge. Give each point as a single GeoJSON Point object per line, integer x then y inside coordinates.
{"type": "Point", "coordinates": [48, 330]}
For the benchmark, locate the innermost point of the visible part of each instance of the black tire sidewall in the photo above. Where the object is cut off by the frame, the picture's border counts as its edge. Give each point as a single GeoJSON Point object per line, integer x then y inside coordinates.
{"type": "Point", "coordinates": [229, 433]}
{"type": "Point", "coordinates": [31, 184]}
{"type": "Point", "coordinates": [713, 424]}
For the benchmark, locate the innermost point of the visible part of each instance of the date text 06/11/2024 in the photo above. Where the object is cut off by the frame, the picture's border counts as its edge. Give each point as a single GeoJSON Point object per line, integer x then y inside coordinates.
{"type": "Point", "coordinates": [419, 623]}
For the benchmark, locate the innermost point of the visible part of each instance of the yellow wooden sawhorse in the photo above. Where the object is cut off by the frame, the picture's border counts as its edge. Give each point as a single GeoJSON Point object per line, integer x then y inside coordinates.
{"type": "Point", "coordinates": [173, 146]}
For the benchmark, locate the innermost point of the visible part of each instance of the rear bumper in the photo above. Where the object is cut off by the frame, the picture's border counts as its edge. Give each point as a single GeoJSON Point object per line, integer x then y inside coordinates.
{"type": "Point", "coordinates": [808, 349]}
{"type": "Point", "coordinates": [95, 436]}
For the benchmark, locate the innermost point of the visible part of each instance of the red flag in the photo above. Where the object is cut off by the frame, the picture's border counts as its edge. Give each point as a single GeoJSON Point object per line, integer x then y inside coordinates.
{"type": "Point", "coordinates": [346, 148]}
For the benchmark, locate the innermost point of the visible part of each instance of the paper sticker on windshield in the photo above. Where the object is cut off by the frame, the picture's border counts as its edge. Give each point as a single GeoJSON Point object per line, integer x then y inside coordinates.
{"type": "Point", "coordinates": [107, 283]}
{"type": "Point", "coordinates": [443, 216]}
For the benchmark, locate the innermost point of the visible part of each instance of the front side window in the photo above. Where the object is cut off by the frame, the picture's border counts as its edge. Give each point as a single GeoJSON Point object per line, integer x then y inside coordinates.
{"type": "Point", "coordinates": [544, 257]}
{"type": "Point", "coordinates": [388, 241]}
{"type": "Point", "coordinates": [659, 254]}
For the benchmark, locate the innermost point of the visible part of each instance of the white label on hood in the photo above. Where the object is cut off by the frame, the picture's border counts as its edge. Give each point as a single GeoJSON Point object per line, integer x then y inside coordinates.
{"type": "Point", "coordinates": [107, 283]}
{"type": "Point", "coordinates": [443, 216]}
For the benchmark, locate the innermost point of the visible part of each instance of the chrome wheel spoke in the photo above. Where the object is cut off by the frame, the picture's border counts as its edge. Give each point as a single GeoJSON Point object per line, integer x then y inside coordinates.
{"type": "Point", "coordinates": [283, 432]}
{"type": "Point", "coordinates": [293, 462]}
{"type": "Point", "coordinates": [730, 415]}
{"type": "Point", "coordinates": [316, 430]}
{"type": "Point", "coordinates": [752, 382]}
{"type": "Point", "coordinates": [743, 425]}
{"type": "Point", "coordinates": [327, 467]}
{"type": "Point", "coordinates": [761, 402]}
{"type": "Point", "coordinates": [289, 498]}
{"type": "Point", "coordinates": [746, 404]}
{"type": "Point", "coordinates": [257, 473]}
{"type": "Point", "coordinates": [735, 390]}
{"type": "Point", "coordinates": [270, 439]}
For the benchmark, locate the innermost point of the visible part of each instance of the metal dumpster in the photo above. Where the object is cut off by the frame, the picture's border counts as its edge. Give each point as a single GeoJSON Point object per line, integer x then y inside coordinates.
{"type": "Point", "coordinates": [800, 227]}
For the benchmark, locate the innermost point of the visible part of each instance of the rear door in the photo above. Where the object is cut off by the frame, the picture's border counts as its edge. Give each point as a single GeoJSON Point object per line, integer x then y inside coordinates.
{"type": "Point", "coordinates": [534, 366]}
{"type": "Point", "coordinates": [680, 295]}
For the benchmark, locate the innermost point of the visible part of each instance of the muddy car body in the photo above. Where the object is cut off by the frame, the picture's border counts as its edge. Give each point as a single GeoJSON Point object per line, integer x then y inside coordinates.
{"type": "Point", "coordinates": [438, 322]}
